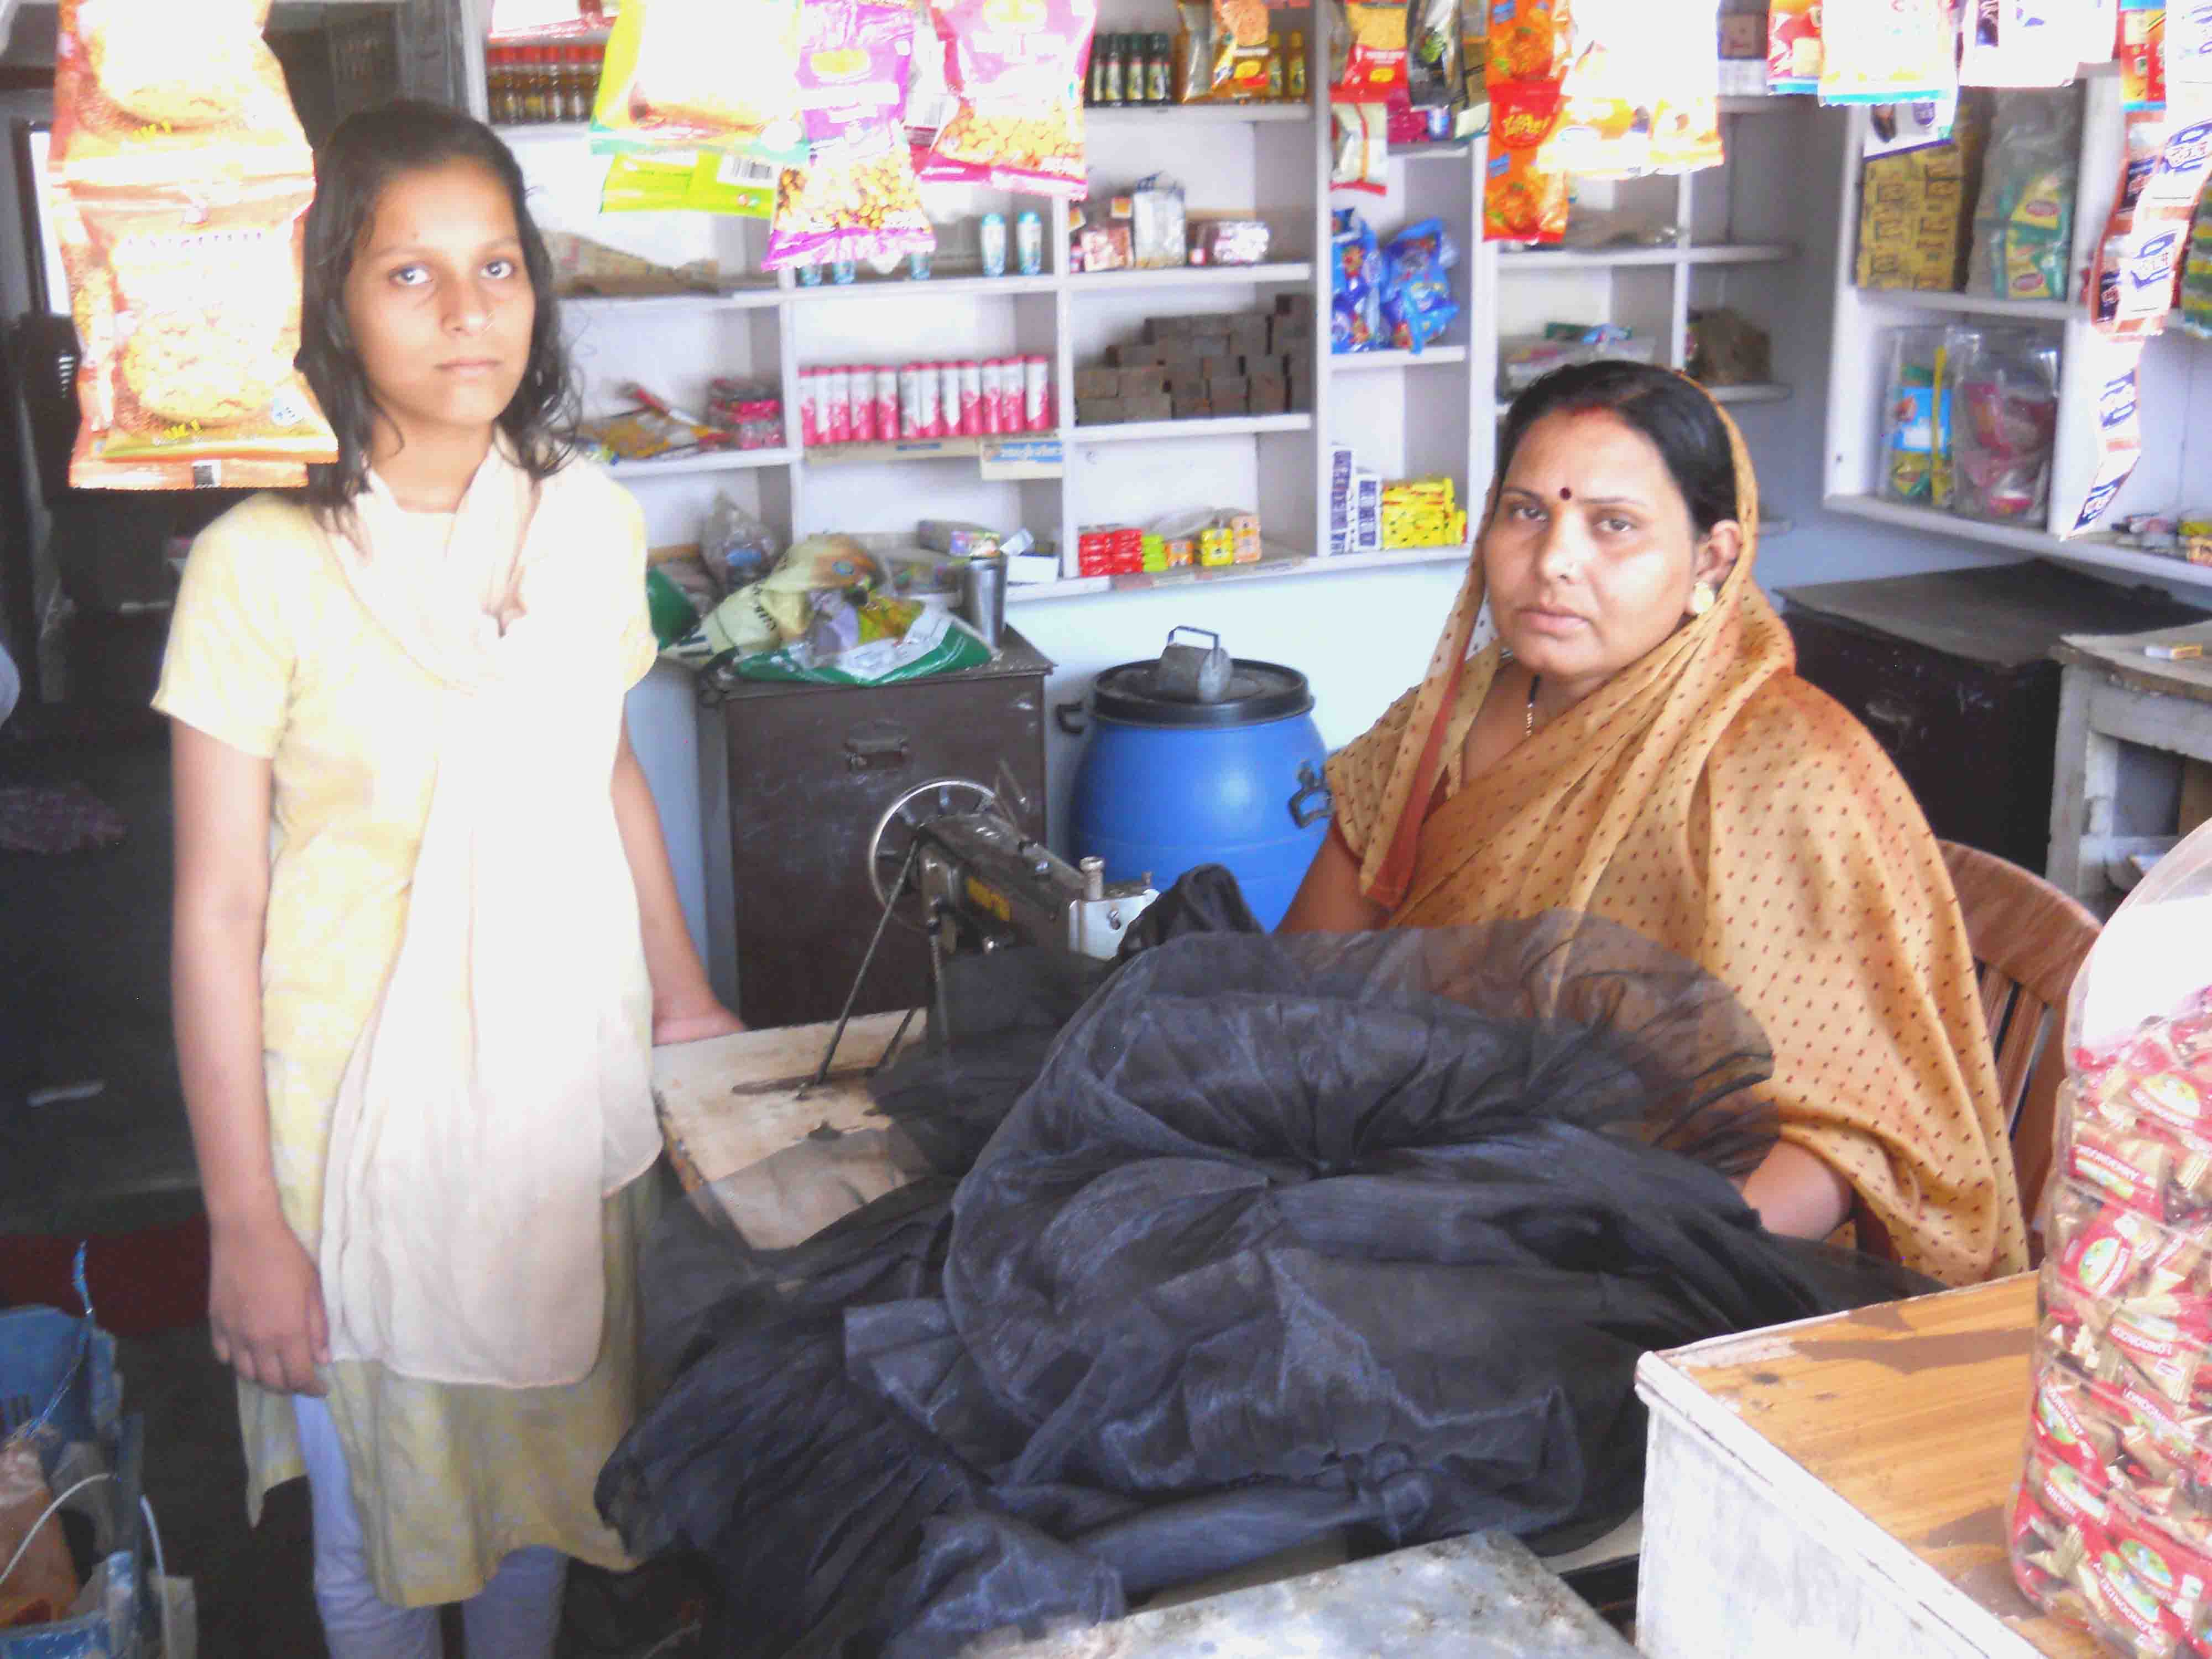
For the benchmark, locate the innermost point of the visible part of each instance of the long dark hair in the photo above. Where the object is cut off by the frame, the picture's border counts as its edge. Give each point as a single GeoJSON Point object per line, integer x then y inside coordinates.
{"type": "Point", "coordinates": [352, 170]}
{"type": "Point", "coordinates": [1679, 419]}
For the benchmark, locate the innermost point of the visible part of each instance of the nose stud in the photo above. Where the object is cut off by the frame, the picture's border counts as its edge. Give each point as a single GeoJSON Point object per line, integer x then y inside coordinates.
{"type": "Point", "coordinates": [1565, 494]}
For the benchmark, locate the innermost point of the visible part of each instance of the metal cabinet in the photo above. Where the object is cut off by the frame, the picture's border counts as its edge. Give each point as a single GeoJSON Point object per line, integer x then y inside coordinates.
{"type": "Point", "coordinates": [1951, 673]}
{"type": "Point", "coordinates": [812, 769]}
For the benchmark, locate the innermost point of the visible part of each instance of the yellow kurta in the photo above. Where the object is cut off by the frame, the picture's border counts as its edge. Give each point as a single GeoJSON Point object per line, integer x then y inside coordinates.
{"type": "Point", "coordinates": [270, 652]}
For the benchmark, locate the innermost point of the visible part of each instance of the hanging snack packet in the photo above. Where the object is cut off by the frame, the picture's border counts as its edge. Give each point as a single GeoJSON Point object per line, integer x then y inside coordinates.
{"type": "Point", "coordinates": [2141, 53]}
{"type": "Point", "coordinates": [1369, 47]}
{"type": "Point", "coordinates": [856, 200]}
{"type": "Point", "coordinates": [1895, 53]}
{"type": "Point", "coordinates": [1609, 94]}
{"type": "Point", "coordinates": [2024, 43]}
{"type": "Point", "coordinates": [1359, 149]}
{"type": "Point", "coordinates": [1524, 200]}
{"type": "Point", "coordinates": [688, 181]}
{"type": "Point", "coordinates": [1530, 40]}
{"type": "Point", "coordinates": [929, 100]}
{"type": "Point", "coordinates": [723, 73]}
{"type": "Point", "coordinates": [189, 375]}
{"type": "Point", "coordinates": [1016, 67]}
{"type": "Point", "coordinates": [148, 91]}
{"type": "Point", "coordinates": [854, 62]}
{"type": "Point", "coordinates": [1793, 47]}
{"type": "Point", "coordinates": [1238, 31]}
{"type": "Point", "coordinates": [1417, 301]}
{"type": "Point", "coordinates": [1434, 76]}
{"type": "Point", "coordinates": [2024, 220]}
{"type": "Point", "coordinates": [1355, 297]}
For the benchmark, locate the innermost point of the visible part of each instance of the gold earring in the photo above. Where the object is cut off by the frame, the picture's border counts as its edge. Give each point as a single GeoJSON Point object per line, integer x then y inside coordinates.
{"type": "Point", "coordinates": [1701, 598]}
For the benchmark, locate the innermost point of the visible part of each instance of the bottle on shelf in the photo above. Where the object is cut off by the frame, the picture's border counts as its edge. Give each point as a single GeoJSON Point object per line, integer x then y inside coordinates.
{"type": "Point", "coordinates": [1275, 65]}
{"type": "Point", "coordinates": [582, 84]}
{"type": "Point", "coordinates": [1110, 94]}
{"type": "Point", "coordinates": [534, 84]}
{"type": "Point", "coordinates": [499, 85]}
{"type": "Point", "coordinates": [1294, 68]}
{"type": "Point", "coordinates": [1159, 70]}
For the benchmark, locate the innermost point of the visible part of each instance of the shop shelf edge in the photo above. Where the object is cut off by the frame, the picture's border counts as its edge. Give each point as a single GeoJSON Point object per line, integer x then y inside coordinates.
{"type": "Point", "coordinates": [1714, 254]}
{"type": "Point", "coordinates": [727, 460]}
{"type": "Point", "coordinates": [900, 451]}
{"type": "Point", "coordinates": [1281, 564]}
{"type": "Point", "coordinates": [1975, 304]}
{"type": "Point", "coordinates": [2081, 550]}
{"type": "Point", "coordinates": [909, 287]}
{"type": "Point", "coordinates": [1218, 426]}
{"type": "Point", "coordinates": [1358, 362]}
{"type": "Point", "coordinates": [1130, 282]}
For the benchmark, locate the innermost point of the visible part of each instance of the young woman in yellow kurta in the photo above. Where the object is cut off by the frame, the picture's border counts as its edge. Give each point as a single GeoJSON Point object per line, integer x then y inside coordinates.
{"type": "Point", "coordinates": [426, 931]}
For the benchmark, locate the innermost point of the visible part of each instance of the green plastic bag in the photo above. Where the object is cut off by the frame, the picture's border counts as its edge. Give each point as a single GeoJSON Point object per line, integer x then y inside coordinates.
{"type": "Point", "coordinates": [936, 644]}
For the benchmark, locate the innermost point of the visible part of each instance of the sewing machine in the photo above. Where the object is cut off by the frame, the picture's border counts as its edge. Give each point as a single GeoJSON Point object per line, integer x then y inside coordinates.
{"type": "Point", "coordinates": [949, 857]}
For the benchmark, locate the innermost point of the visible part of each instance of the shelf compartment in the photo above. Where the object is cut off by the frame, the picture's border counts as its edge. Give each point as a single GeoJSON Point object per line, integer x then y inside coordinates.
{"type": "Point", "coordinates": [1219, 426]}
{"type": "Point", "coordinates": [716, 460]}
{"type": "Point", "coordinates": [1713, 253]}
{"type": "Point", "coordinates": [654, 305]}
{"type": "Point", "coordinates": [1131, 282]}
{"type": "Point", "coordinates": [919, 449]}
{"type": "Point", "coordinates": [1123, 117]}
{"type": "Point", "coordinates": [1974, 305]}
{"type": "Point", "coordinates": [2082, 549]}
{"type": "Point", "coordinates": [1277, 562]}
{"type": "Point", "coordinates": [891, 288]}
{"type": "Point", "coordinates": [1358, 362]}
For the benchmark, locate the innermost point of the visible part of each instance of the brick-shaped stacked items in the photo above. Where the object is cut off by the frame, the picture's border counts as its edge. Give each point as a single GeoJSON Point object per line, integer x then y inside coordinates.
{"type": "Point", "coordinates": [1194, 369]}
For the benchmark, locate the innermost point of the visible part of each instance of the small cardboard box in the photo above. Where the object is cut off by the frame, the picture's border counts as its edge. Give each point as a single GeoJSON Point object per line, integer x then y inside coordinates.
{"type": "Point", "coordinates": [1099, 411]}
{"type": "Point", "coordinates": [1168, 328]}
{"type": "Point", "coordinates": [1190, 406]}
{"type": "Point", "coordinates": [1154, 406]}
{"type": "Point", "coordinates": [1098, 383]}
{"type": "Point", "coordinates": [1142, 382]}
{"type": "Point", "coordinates": [1270, 394]}
{"type": "Point", "coordinates": [1135, 356]}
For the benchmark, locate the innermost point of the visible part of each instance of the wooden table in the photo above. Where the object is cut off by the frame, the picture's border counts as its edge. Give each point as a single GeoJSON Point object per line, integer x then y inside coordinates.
{"type": "Point", "coordinates": [780, 1157]}
{"type": "Point", "coordinates": [1841, 1485]}
{"type": "Point", "coordinates": [2112, 694]}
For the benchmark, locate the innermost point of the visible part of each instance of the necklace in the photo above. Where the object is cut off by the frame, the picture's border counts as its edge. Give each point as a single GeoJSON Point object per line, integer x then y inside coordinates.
{"type": "Point", "coordinates": [1534, 681]}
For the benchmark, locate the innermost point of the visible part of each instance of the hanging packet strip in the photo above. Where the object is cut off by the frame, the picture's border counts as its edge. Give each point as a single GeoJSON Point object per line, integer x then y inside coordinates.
{"type": "Point", "coordinates": [722, 74]}
{"type": "Point", "coordinates": [1641, 96]}
{"type": "Point", "coordinates": [150, 92]}
{"type": "Point", "coordinates": [1896, 51]}
{"type": "Point", "coordinates": [2145, 245]}
{"type": "Point", "coordinates": [1016, 66]}
{"type": "Point", "coordinates": [1530, 40]}
{"type": "Point", "coordinates": [1370, 52]}
{"type": "Point", "coordinates": [688, 181]}
{"type": "Point", "coordinates": [192, 320]}
{"type": "Point", "coordinates": [1358, 148]}
{"type": "Point", "coordinates": [1793, 47]}
{"type": "Point", "coordinates": [2026, 43]}
{"type": "Point", "coordinates": [1523, 199]}
{"type": "Point", "coordinates": [2141, 53]}
{"type": "Point", "coordinates": [856, 199]}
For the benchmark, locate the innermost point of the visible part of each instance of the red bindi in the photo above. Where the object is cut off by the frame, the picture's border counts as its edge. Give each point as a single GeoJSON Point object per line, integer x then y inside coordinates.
{"type": "Point", "coordinates": [1565, 494]}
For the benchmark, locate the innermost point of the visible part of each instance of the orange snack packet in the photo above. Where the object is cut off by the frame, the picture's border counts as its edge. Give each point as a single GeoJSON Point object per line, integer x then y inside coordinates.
{"type": "Point", "coordinates": [1523, 199]}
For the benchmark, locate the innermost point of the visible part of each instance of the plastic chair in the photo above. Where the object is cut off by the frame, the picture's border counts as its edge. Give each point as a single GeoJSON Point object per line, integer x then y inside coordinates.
{"type": "Point", "coordinates": [2029, 940]}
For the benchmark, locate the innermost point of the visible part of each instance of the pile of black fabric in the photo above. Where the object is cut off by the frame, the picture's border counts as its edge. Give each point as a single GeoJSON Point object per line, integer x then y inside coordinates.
{"type": "Point", "coordinates": [1286, 1235]}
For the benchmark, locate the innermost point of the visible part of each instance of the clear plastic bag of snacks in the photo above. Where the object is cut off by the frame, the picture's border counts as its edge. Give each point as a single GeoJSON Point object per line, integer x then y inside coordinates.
{"type": "Point", "coordinates": [2111, 1525]}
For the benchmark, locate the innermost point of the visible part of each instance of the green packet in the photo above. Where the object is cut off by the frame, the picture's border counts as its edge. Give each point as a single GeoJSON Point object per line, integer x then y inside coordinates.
{"type": "Point", "coordinates": [687, 181]}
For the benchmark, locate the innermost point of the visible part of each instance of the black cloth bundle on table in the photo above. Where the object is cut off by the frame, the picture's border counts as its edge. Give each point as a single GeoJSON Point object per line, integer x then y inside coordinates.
{"type": "Point", "coordinates": [1286, 1235]}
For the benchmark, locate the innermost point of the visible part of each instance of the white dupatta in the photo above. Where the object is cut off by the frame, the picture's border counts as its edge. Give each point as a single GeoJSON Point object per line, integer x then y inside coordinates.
{"type": "Point", "coordinates": [503, 1085]}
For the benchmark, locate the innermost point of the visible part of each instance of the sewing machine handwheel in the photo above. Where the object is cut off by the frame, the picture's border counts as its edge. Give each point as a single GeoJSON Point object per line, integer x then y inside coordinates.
{"type": "Point", "coordinates": [894, 835]}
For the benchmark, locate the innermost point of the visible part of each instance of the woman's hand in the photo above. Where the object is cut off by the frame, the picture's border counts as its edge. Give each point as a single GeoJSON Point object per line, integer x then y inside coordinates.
{"type": "Point", "coordinates": [265, 1307]}
{"type": "Point", "coordinates": [693, 1025]}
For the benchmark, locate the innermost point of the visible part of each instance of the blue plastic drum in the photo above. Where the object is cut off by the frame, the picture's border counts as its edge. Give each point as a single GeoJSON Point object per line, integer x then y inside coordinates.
{"type": "Point", "coordinates": [1167, 783]}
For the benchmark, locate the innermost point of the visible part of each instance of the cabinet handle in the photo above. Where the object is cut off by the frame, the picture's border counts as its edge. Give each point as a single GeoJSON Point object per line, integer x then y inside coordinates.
{"type": "Point", "coordinates": [880, 750]}
{"type": "Point", "coordinates": [1898, 719]}
{"type": "Point", "coordinates": [1310, 786]}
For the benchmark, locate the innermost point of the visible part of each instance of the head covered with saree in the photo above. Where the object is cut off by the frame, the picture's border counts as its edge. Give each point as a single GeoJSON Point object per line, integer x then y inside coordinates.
{"type": "Point", "coordinates": [1709, 799]}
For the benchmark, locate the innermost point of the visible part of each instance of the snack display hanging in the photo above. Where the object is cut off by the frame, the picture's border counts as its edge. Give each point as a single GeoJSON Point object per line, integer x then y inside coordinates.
{"type": "Point", "coordinates": [2111, 1526]}
{"type": "Point", "coordinates": [1016, 68]}
{"type": "Point", "coordinates": [1368, 52]}
{"type": "Point", "coordinates": [1417, 303]}
{"type": "Point", "coordinates": [1901, 52]}
{"type": "Point", "coordinates": [179, 200]}
{"type": "Point", "coordinates": [2140, 257]}
{"type": "Point", "coordinates": [722, 74]}
{"type": "Point", "coordinates": [1524, 197]}
{"type": "Point", "coordinates": [856, 199]}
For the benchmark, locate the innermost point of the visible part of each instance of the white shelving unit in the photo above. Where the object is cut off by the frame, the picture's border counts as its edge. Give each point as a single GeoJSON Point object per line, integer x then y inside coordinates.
{"type": "Point", "coordinates": [1405, 413]}
{"type": "Point", "coordinates": [2174, 388]}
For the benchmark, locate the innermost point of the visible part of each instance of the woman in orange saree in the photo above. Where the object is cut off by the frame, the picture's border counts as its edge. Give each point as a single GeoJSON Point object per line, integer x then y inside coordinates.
{"type": "Point", "coordinates": [1635, 743]}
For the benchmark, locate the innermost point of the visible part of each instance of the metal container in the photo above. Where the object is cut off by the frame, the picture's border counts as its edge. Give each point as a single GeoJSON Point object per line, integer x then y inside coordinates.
{"type": "Point", "coordinates": [983, 595]}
